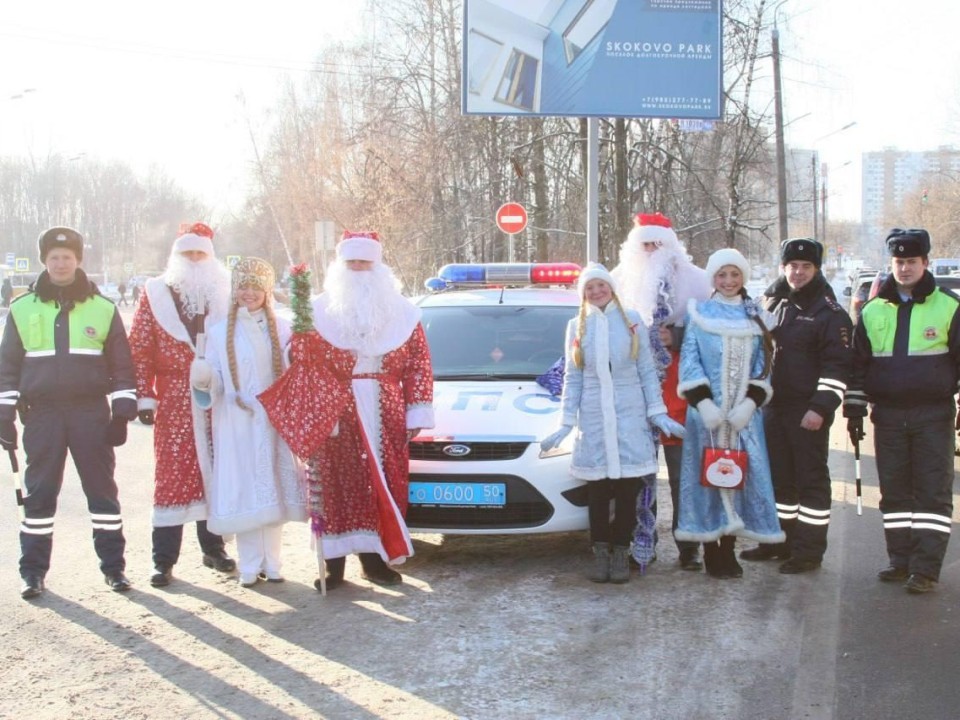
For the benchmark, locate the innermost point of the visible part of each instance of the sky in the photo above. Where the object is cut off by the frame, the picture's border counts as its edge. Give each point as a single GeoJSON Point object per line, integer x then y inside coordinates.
{"type": "Point", "coordinates": [159, 84]}
{"type": "Point", "coordinates": [891, 67]}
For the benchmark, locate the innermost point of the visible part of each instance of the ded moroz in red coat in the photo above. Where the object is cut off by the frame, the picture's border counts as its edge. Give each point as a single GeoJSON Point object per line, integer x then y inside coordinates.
{"type": "Point", "coordinates": [162, 352]}
{"type": "Point", "coordinates": [363, 469]}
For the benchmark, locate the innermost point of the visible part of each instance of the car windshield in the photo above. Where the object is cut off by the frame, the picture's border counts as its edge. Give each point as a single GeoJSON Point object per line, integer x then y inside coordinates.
{"type": "Point", "coordinates": [500, 342]}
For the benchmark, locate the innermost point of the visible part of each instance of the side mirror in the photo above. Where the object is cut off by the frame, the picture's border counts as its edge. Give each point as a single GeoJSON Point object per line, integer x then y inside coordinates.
{"type": "Point", "coordinates": [847, 291]}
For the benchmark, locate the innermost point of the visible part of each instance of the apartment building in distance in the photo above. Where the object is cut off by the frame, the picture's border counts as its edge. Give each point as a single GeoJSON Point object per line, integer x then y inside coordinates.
{"type": "Point", "coordinates": [889, 176]}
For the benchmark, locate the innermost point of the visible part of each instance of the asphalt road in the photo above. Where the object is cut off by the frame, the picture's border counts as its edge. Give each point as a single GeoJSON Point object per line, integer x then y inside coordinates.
{"type": "Point", "coordinates": [498, 627]}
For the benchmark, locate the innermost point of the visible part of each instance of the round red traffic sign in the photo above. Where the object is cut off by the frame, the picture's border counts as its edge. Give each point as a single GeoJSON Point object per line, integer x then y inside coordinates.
{"type": "Point", "coordinates": [511, 218]}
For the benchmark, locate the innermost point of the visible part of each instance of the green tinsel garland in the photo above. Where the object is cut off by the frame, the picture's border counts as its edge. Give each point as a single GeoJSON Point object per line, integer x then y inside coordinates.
{"type": "Point", "coordinates": [300, 298]}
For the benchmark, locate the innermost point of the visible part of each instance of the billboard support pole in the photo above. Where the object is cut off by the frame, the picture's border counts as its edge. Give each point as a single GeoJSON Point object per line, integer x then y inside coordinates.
{"type": "Point", "coordinates": [593, 189]}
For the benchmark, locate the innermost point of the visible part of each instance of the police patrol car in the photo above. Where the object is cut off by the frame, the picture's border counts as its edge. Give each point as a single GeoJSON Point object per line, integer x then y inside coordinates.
{"type": "Point", "coordinates": [492, 330]}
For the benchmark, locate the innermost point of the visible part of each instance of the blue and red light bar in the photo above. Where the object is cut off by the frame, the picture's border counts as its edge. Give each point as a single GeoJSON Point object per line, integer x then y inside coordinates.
{"type": "Point", "coordinates": [495, 274]}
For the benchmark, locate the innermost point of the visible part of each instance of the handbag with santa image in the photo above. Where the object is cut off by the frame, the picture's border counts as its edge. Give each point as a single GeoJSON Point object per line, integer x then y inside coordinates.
{"type": "Point", "coordinates": [724, 467]}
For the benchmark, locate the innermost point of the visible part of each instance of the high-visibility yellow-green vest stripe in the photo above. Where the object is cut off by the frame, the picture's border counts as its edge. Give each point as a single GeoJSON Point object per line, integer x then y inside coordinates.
{"type": "Point", "coordinates": [929, 324]}
{"type": "Point", "coordinates": [89, 325]}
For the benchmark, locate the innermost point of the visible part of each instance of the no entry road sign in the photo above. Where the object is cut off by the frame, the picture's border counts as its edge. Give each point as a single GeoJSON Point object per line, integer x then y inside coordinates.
{"type": "Point", "coordinates": [511, 218]}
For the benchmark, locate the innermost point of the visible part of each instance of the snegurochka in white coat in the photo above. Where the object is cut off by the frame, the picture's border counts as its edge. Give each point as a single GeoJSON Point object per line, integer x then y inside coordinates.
{"type": "Point", "coordinates": [611, 394]}
{"type": "Point", "coordinates": [256, 483]}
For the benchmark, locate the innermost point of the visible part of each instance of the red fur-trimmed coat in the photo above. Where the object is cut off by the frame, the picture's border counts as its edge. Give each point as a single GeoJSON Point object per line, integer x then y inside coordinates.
{"type": "Point", "coordinates": [162, 364]}
{"type": "Point", "coordinates": [355, 515]}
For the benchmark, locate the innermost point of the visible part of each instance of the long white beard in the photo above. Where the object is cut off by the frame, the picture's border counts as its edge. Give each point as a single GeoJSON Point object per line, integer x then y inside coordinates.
{"type": "Point", "coordinates": [362, 303]}
{"type": "Point", "coordinates": [641, 278]}
{"type": "Point", "coordinates": [203, 287]}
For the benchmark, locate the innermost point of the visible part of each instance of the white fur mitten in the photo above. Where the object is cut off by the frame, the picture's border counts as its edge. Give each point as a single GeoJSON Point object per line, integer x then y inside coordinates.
{"type": "Point", "coordinates": [740, 414]}
{"type": "Point", "coordinates": [710, 413]}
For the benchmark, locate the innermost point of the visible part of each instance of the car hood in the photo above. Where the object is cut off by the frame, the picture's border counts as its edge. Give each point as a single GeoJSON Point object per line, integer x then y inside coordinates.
{"type": "Point", "coordinates": [491, 411]}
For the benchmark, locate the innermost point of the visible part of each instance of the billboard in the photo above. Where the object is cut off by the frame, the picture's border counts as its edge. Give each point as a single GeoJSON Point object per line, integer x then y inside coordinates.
{"type": "Point", "coordinates": [606, 58]}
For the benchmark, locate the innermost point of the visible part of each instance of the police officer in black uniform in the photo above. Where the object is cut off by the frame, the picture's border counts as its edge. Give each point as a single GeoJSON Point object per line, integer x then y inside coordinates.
{"type": "Point", "coordinates": [906, 363]}
{"type": "Point", "coordinates": [64, 352]}
{"type": "Point", "coordinates": [811, 365]}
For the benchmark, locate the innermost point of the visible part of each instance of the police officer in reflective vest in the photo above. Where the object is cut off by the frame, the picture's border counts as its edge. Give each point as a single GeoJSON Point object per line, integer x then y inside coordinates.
{"type": "Point", "coordinates": [64, 353]}
{"type": "Point", "coordinates": [811, 366]}
{"type": "Point", "coordinates": [907, 363]}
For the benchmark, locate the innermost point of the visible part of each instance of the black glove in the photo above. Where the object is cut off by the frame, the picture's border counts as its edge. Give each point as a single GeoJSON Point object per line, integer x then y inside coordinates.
{"type": "Point", "coordinates": [8, 435]}
{"type": "Point", "coordinates": [146, 417]}
{"type": "Point", "coordinates": [116, 434]}
{"type": "Point", "coordinates": [855, 429]}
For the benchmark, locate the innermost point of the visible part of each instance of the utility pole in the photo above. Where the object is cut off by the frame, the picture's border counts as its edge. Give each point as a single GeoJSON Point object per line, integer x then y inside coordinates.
{"type": "Point", "coordinates": [816, 195]}
{"type": "Point", "coordinates": [823, 202]}
{"type": "Point", "coordinates": [778, 116]}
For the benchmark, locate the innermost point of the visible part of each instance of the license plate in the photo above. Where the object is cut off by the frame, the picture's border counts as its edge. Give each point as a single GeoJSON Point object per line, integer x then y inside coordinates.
{"type": "Point", "coordinates": [437, 493]}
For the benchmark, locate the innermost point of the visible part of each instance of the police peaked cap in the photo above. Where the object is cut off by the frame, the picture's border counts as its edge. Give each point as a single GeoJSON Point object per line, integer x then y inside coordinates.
{"type": "Point", "coordinates": [914, 242]}
{"type": "Point", "coordinates": [60, 237]}
{"type": "Point", "coordinates": [803, 249]}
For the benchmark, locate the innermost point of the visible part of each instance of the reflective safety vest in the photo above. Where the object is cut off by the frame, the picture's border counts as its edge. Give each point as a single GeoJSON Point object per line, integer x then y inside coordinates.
{"type": "Point", "coordinates": [89, 325]}
{"type": "Point", "coordinates": [929, 325]}
{"type": "Point", "coordinates": [914, 350]}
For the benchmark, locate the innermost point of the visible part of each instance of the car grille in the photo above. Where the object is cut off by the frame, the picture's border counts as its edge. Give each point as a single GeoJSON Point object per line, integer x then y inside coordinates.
{"type": "Point", "coordinates": [525, 506]}
{"type": "Point", "coordinates": [478, 451]}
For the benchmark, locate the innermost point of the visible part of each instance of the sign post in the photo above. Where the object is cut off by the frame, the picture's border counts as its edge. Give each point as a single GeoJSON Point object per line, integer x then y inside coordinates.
{"type": "Point", "coordinates": [326, 241]}
{"type": "Point", "coordinates": [511, 218]}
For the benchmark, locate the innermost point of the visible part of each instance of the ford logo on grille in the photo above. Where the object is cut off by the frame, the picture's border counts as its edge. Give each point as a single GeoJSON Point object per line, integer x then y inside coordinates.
{"type": "Point", "coordinates": [456, 450]}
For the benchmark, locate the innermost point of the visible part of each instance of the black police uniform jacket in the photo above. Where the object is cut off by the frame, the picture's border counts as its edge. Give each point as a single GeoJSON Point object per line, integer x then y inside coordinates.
{"type": "Point", "coordinates": [812, 359]}
{"type": "Point", "coordinates": [63, 373]}
{"type": "Point", "coordinates": [906, 353]}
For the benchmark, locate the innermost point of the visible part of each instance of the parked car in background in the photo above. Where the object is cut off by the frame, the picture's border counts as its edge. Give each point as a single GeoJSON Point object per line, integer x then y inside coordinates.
{"type": "Point", "coordinates": [951, 282]}
{"type": "Point", "coordinates": [859, 290]}
{"type": "Point", "coordinates": [492, 330]}
{"type": "Point", "coordinates": [944, 266]}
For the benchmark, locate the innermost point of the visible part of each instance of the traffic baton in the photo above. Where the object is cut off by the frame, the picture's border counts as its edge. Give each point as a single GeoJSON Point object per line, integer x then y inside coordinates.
{"type": "Point", "coordinates": [856, 461]}
{"type": "Point", "coordinates": [17, 485]}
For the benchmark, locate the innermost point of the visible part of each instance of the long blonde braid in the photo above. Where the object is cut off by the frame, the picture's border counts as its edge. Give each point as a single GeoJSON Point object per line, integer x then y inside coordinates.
{"type": "Point", "coordinates": [232, 354]}
{"type": "Point", "coordinates": [275, 351]}
{"type": "Point", "coordinates": [582, 325]}
{"type": "Point", "coordinates": [581, 328]}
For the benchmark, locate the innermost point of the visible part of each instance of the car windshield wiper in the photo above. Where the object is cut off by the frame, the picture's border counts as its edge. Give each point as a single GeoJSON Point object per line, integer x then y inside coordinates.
{"type": "Point", "coordinates": [486, 376]}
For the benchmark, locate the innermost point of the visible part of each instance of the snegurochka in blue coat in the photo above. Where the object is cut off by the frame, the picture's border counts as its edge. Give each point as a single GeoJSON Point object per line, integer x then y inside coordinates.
{"type": "Point", "coordinates": [724, 366]}
{"type": "Point", "coordinates": [611, 393]}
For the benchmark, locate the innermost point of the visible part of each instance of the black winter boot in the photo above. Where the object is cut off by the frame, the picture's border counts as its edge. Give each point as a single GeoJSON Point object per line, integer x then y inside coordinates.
{"type": "Point", "coordinates": [690, 558]}
{"type": "Point", "coordinates": [775, 551]}
{"type": "Point", "coordinates": [728, 557]}
{"type": "Point", "coordinates": [334, 567]}
{"type": "Point", "coordinates": [711, 559]}
{"type": "Point", "coordinates": [219, 561]}
{"type": "Point", "coordinates": [377, 571]}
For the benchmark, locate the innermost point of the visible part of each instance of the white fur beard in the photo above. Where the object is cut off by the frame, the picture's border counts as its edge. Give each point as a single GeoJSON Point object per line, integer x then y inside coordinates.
{"type": "Point", "coordinates": [362, 303]}
{"type": "Point", "coordinates": [203, 287]}
{"type": "Point", "coordinates": [641, 289]}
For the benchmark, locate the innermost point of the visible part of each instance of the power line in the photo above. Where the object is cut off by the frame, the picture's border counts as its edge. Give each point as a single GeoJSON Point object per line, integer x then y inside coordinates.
{"type": "Point", "coordinates": [112, 46]}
